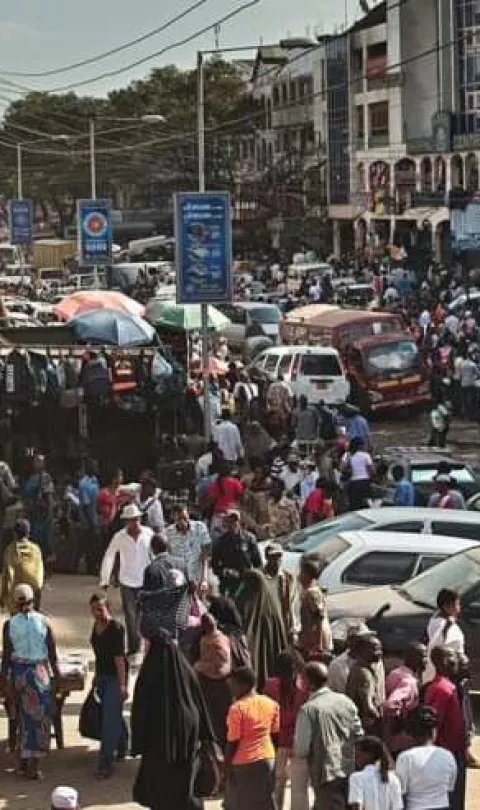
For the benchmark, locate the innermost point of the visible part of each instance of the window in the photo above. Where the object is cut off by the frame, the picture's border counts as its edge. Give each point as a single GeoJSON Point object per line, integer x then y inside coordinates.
{"type": "Point", "coordinates": [259, 361]}
{"type": "Point", "coordinates": [360, 122]}
{"type": "Point", "coordinates": [378, 123]}
{"type": "Point", "coordinates": [381, 568]}
{"type": "Point", "coordinates": [293, 91]}
{"type": "Point", "coordinates": [412, 526]}
{"type": "Point", "coordinates": [285, 363]}
{"type": "Point", "coordinates": [276, 96]}
{"type": "Point", "coordinates": [475, 504]}
{"type": "Point", "coordinates": [428, 562]}
{"type": "Point", "coordinates": [310, 540]}
{"type": "Point", "coordinates": [271, 363]}
{"type": "Point", "coordinates": [447, 528]}
{"type": "Point", "coordinates": [284, 94]}
{"type": "Point", "coordinates": [320, 365]}
{"type": "Point", "coordinates": [235, 314]}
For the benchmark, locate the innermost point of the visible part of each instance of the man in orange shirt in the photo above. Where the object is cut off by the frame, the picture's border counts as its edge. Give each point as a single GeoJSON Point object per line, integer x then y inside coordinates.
{"type": "Point", "coordinates": [253, 724]}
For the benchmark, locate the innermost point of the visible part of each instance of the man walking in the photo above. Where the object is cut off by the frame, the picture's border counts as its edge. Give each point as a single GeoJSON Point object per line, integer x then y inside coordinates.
{"type": "Point", "coordinates": [132, 544]}
{"type": "Point", "coordinates": [326, 729]}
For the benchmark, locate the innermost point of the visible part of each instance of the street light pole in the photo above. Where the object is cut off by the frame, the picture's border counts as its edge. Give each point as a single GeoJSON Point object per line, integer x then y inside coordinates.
{"type": "Point", "coordinates": [93, 168]}
{"type": "Point", "coordinates": [19, 172]}
{"type": "Point", "coordinates": [201, 187]}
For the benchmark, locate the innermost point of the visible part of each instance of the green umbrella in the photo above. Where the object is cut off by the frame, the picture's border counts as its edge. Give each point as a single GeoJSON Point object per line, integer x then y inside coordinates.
{"type": "Point", "coordinates": [183, 316]}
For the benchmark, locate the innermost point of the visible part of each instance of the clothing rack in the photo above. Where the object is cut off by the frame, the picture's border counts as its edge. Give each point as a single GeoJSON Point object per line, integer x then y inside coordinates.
{"type": "Point", "coordinates": [59, 352]}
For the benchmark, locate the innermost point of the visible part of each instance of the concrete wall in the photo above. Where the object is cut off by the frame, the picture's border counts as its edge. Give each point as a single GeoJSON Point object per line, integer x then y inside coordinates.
{"type": "Point", "coordinates": [418, 33]}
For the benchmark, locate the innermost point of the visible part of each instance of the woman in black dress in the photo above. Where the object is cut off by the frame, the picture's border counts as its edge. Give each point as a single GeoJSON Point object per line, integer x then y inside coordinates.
{"type": "Point", "coordinates": [169, 720]}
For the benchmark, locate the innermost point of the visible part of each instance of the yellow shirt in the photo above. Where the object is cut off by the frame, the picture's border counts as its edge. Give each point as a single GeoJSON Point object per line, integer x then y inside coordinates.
{"type": "Point", "coordinates": [22, 563]}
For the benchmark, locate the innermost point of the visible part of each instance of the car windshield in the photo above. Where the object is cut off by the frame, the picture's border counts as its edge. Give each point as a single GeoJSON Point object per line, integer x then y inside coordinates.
{"type": "Point", "coordinates": [426, 474]}
{"type": "Point", "coordinates": [265, 314]}
{"type": "Point", "coordinates": [458, 573]}
{"type": "Point", "coordinates": [312, 539]}
{"type": "Point", "coordinates": [320, 365]}
{"type": "Point", "coordinates": [397, 356]}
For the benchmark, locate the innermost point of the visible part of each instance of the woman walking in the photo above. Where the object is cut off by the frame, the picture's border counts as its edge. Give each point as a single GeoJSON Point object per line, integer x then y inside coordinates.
{"type": "Point", "coordinates": [169, 723]}
{"type": "Point", "coordinates": [374, 786]}
{"type": "Point", "coordinates": [213, 669]}
{"type": "Point", "coordinates": [427, 772]}
{"type": "Point", "coordinates": [108, 642]}
{"type": "Point", "coordinates": [39, 497]}
{"type": "Point", "coordinates": [357, 469]}
{"type": "Point", "coordinates": [29, 655]}
{"type": "Point", "coordinates": [253, 724]}
{"type": "Point", "coordinates": [263, 621]}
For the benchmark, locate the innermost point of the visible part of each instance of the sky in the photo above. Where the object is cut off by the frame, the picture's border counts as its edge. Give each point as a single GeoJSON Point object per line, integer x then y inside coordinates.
{"type": "Point", "coordinates": [37, 36]}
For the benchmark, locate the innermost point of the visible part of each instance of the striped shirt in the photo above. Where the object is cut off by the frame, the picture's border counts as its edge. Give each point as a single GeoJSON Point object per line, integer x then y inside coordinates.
{"type": "Point", "coordinates": [188, 546]}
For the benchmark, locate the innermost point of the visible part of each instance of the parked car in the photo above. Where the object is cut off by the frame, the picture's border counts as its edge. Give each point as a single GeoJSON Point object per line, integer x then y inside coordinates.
{"type": "Point", "coordinates": [253, 326]}
{"type": "Point", "coordinates": [400, 613]}
{"type": "Point", "coordinates": [421, 465]}
{"type": "Point", "coordinates": [413, 520]}
{"type": "Point", "coordinates": [357, 559]}
{"type": "Point", "coordinates": [315, 371]}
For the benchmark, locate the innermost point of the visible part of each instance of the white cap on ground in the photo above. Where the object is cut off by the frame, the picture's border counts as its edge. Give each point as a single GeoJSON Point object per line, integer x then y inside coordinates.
{"type": "Point", "coordinates": [64, 798]}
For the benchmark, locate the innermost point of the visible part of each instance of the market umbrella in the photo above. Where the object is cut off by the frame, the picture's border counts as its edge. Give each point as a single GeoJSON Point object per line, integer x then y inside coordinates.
{"type": "Point", "coordinates": [183, 316]}
{"type": "Point", "coordinates": [88, 300]}
{"type": "Point", "coordinates": [105, 326]}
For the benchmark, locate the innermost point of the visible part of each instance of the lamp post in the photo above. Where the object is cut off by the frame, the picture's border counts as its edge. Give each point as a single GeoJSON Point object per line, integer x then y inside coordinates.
{"type": "Point", "coordinates": [19, 172]}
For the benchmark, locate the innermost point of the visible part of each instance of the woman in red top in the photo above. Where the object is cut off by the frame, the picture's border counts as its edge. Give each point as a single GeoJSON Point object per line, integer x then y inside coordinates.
{"type": "Point", "coordinates": [319, 504]}
{"type": "Point", "coordinates": [107, 506]}
{"type": "Point", "coordinates": [222, 495]}
{"type": "Point", "coordinates": [290, 692]}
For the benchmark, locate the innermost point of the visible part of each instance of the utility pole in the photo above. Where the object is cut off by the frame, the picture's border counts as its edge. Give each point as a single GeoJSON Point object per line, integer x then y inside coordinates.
{"type": "Point", "coordinates": [201, 187]}
{"type": "Point", "coordinates": [19, 172]}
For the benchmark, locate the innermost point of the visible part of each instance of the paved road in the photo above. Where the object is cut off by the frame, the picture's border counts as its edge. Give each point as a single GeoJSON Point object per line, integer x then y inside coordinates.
{"type": "Point", "coordinates": [66, 602]}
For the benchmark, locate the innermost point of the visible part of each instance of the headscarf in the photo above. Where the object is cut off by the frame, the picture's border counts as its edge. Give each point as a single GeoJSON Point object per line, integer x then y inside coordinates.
{"type": "Point", "coordinates": [226, 614]}
{"type": "Point", "coordinates": [169, 716]}
{"type": "Point", "coordinates": [263, 622]}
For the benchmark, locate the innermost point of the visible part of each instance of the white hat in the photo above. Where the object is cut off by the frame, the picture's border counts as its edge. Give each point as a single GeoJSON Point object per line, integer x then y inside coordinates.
{"type": "Point", "coordinates": [64, 798]}
{"type": "Point", "coordinates": [23, 592]}
{"type": "Point", "coordinates": [130, 512]}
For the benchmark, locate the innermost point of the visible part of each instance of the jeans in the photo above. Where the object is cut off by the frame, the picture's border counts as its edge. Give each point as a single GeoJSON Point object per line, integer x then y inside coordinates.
{"type": "Point", "coordinates": [114, 729]}
{"type": "Point", "coordinates": [131, 612]}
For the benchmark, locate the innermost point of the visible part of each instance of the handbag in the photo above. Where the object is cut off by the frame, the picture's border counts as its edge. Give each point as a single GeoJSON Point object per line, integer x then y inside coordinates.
{"type": "Point", "coordinates": [208, 778]}
{"type": "Point", "coordinates": [90, 720]}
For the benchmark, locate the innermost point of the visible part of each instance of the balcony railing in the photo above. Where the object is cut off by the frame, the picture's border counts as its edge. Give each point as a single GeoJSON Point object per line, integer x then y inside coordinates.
{"type": "Point", "coordinates": [378, 139]}
{"type": "Point", "coordinates": [301, 113]}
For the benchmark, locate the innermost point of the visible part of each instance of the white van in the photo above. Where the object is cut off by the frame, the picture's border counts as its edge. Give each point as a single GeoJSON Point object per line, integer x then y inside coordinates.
{"type": "Point", "coordinates": [315, 371]}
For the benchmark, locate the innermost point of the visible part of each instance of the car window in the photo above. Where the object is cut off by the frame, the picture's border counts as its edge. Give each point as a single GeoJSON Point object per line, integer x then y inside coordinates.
{"type": "Point", "coordinates": [266, 314]}
{"type": "Point", "coordinates": [237, 315]}
{"type": "Point", "coordinates": [285, 363]}
{"type": "Point", "coordinates": [381, 568]}
{"type": "Point", "coordinates": [459, 573]}
{"type": "Point", "coordinates": [475, 504]}
{"type": "Point", "coordinates": [320, 365]}
{"type": "Point", "coordinates": [428, 561]}
{"type": "Point", "coordinates": [413, 526]}
{"type": "Point", "coordinates": [259, 361]}
{"type": "Point", "coordinates": [332, 548]}
{"type": "Point", "coordinates": [271, 362]}
{"type": "Point", "coordinates": [425, 475]}
{"type": "Point", "coordinates": [311, 539]}
{"type": "Point", "coordinates": [452, 528]}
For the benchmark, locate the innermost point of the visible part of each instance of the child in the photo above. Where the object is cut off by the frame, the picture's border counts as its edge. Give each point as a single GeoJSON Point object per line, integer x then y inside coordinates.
{"type": "Point", "coordinates": [374, 786]}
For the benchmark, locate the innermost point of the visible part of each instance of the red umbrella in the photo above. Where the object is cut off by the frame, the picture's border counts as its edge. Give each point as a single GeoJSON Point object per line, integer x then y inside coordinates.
{"type": "Point", "coordinates": [80, 302]}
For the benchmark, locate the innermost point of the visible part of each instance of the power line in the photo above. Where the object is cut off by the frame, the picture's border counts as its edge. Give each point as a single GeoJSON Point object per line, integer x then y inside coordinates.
{"type": "Point", "coordinates": [179, 43]}
{"type": "Point", "coordinates": [118, 49]}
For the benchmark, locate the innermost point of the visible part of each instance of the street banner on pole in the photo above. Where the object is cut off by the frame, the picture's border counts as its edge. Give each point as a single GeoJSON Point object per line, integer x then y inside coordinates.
{"type": "Point", "coordinates": [20, 219]}
{"type": "Point", "coordinates": [203, 247]}
{"type": "Point", "coordinates": [94, 232]}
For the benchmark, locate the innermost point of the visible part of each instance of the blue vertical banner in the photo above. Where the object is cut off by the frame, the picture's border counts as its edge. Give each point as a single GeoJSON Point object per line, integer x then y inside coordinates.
{"type": "Point", "coordinates": [20, 220]}
{"type": "Point", "coordinates": [94, 231]}
{"type": "Point", "coordinates": [203, 247]}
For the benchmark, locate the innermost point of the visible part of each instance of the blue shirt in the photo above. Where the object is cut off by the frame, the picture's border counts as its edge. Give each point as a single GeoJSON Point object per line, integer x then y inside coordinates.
{"type": "Point", "coordinates": [88, 490]}
{"type": "Point", "coordinates": [357, 427]}
{"type": "Point", "coordinates": [404, 493]}
{"type": "Point", "coordinates": [28, 634]}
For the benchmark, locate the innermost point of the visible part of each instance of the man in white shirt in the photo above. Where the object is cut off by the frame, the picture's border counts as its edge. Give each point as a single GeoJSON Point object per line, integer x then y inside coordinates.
{"type": "Point", "coordinates": [132, 544]}
{"type": "Point", "coordinates": [227, 437]}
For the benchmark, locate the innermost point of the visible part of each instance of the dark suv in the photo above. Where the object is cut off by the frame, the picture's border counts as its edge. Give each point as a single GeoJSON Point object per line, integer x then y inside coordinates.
{"type": "Point", "coordinates": [400, 613]}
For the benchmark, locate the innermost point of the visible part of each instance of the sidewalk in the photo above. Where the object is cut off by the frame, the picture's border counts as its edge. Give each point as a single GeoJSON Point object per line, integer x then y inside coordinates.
{"type": "Point", "coordinates": [66, 602]}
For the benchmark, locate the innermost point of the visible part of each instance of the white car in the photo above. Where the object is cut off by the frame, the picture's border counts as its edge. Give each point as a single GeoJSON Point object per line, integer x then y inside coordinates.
{"type": "Point", "coordinates": [314, 371]}
{"type": "Point", "coordinates": [408, 519]}
{"type": "Point", "coordinates": [359, 559]}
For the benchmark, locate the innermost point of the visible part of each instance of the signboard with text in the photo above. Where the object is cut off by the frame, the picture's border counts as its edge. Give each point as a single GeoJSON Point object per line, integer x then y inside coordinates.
{"type": "Point", "coordinates": [203, 245]}
{"type": "Point", "coordinates": [20, 219]}
{"type": "Point", "coordinates": [94, 232]}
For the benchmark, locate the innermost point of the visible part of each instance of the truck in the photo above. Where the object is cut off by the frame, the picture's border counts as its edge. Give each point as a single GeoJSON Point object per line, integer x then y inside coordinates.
{"type": "Point", "coordinates": [385, 367]}
{"type": "Point", "coordinates": [52, 252]}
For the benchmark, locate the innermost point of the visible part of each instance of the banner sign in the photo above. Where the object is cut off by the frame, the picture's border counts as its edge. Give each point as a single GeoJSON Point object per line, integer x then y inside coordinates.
{"type": "Point", "coordinates": [94, 232]}
{"type": "Point", "coordinates": [203, 247]}
{"type": "Point", "coordinates": [20, 218]}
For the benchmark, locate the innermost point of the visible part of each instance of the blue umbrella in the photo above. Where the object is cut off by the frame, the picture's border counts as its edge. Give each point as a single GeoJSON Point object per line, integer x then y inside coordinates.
{"type": "Point", "coordinates": [106, 326]}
